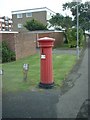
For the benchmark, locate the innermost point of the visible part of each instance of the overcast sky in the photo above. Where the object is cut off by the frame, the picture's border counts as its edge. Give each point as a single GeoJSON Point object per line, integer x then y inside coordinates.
{"type": "Point", "coordinates": [6, 6]}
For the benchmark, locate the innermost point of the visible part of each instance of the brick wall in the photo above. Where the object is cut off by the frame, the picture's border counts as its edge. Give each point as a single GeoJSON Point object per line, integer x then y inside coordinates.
{"type": "Point", "coordinates": [0, 37]}
{"type": "Point", "coordinates": [9, 38]}
{"type": "Point", "coordinates": [58, 36]}
{"type": "Point", "coordinates": [25, 45]}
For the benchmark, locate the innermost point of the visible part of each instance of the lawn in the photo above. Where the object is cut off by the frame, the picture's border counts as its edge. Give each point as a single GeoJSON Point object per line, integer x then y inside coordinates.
{"type": "Point", "coordinates": [12, 78]}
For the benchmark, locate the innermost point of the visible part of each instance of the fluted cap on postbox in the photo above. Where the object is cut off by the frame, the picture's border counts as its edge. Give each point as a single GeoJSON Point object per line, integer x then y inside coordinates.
{"type": "Point", "coordinates": [46, 42]}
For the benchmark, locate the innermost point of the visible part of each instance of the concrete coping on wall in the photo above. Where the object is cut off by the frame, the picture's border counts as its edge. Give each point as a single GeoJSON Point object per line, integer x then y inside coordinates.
{"type": "Point", "coordinates": [45, 31]}
{"type": "Point", "coordinates": [39, 31]}
{"type": "Point", "coordinates": [8, 32]}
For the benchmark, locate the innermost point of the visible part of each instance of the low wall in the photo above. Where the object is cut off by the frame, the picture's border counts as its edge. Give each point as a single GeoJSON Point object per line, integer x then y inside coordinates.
{"type": "Point", "coordinates": [58, 36]}
{"type": "Point", "coordinates": [0, 37]}
{"type": "Point", "coordinates": [23, 44]}
{"type": "Point", "coordinates": [9, 38]}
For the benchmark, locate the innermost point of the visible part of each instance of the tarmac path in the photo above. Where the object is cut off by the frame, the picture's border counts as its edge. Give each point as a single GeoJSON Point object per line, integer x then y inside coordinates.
{"type": "Point", "coordinates": [70, 102]}
{"type": "Point", "coordinates": [0, 96]}
{"type": "Point", "coordinates": [51, 103]}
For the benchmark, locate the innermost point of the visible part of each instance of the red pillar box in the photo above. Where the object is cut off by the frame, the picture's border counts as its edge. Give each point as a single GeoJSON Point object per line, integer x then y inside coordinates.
{"type": "Point", "coordinates": [46, 45]}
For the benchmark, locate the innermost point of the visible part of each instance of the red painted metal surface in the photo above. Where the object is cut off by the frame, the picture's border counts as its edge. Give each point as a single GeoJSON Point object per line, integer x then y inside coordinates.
{"type": "Point", "coordinates": [46, 45]}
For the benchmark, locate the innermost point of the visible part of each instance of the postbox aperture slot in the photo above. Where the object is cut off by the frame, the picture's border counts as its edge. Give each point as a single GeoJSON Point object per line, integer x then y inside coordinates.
{"type": "Point", "coordinates": [42, 51]}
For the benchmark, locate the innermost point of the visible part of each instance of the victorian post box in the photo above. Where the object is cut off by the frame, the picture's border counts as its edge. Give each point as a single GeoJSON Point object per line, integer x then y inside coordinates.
{"type": "Point", "coordinates": [46, 70]}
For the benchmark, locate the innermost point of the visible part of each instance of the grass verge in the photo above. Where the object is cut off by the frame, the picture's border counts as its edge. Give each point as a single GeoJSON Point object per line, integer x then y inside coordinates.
{"type": "Point", "coordinates": [12, 78]}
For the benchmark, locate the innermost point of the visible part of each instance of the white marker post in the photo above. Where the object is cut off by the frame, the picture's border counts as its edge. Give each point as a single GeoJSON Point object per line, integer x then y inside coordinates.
{"type": "Point", "coordinates": [25, 71]}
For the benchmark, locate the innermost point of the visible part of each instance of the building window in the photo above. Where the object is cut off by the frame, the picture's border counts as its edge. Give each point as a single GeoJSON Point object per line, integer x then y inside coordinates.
{"type": "Point", "coordinates": [19, 25]}
{"type": "Point", "coordinates": [19, 15]}
{"type": "Point", "coordinates": [29, 14]}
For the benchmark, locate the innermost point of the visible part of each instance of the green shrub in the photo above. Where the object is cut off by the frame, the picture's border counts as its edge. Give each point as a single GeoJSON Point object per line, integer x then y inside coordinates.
{"type": "Point", "coordinates": [33, 25]}
{"type": "Point", "coordinates": [7, 54]}
{"type": "Point", "coordinates": [72, 37]}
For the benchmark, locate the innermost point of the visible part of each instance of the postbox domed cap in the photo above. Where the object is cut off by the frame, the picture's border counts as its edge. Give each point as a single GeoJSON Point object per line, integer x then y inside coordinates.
{"type": "Point", "coordinates": [46, 39]}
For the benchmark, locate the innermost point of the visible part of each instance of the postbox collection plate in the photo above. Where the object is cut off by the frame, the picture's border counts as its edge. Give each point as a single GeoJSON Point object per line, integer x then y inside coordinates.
{"type": "Point", "coordinates": [43, 56]}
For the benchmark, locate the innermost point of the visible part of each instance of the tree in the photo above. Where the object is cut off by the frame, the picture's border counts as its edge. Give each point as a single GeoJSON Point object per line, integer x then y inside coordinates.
{"type": "Point", "coordinates": [84, 13]}
{"type": "Point", "coordinates": [58, 21]}
{"type": "Point", "coordinates": [67, 22]}
{"type": "Point", "coordinates": [33, 25]}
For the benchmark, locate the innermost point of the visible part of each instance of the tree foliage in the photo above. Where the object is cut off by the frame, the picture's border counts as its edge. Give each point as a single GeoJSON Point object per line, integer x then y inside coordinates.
{"type": "Point", "coordinates": [83, 11]}
{"type": "Point", "coordinates": [70, 24]}
{"type": "Point", "coordinates": [33, 25]}
{"type": "Point", "coordinates": [72, 37]}
{"type": "Point", "coordinates": [61, 22]}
